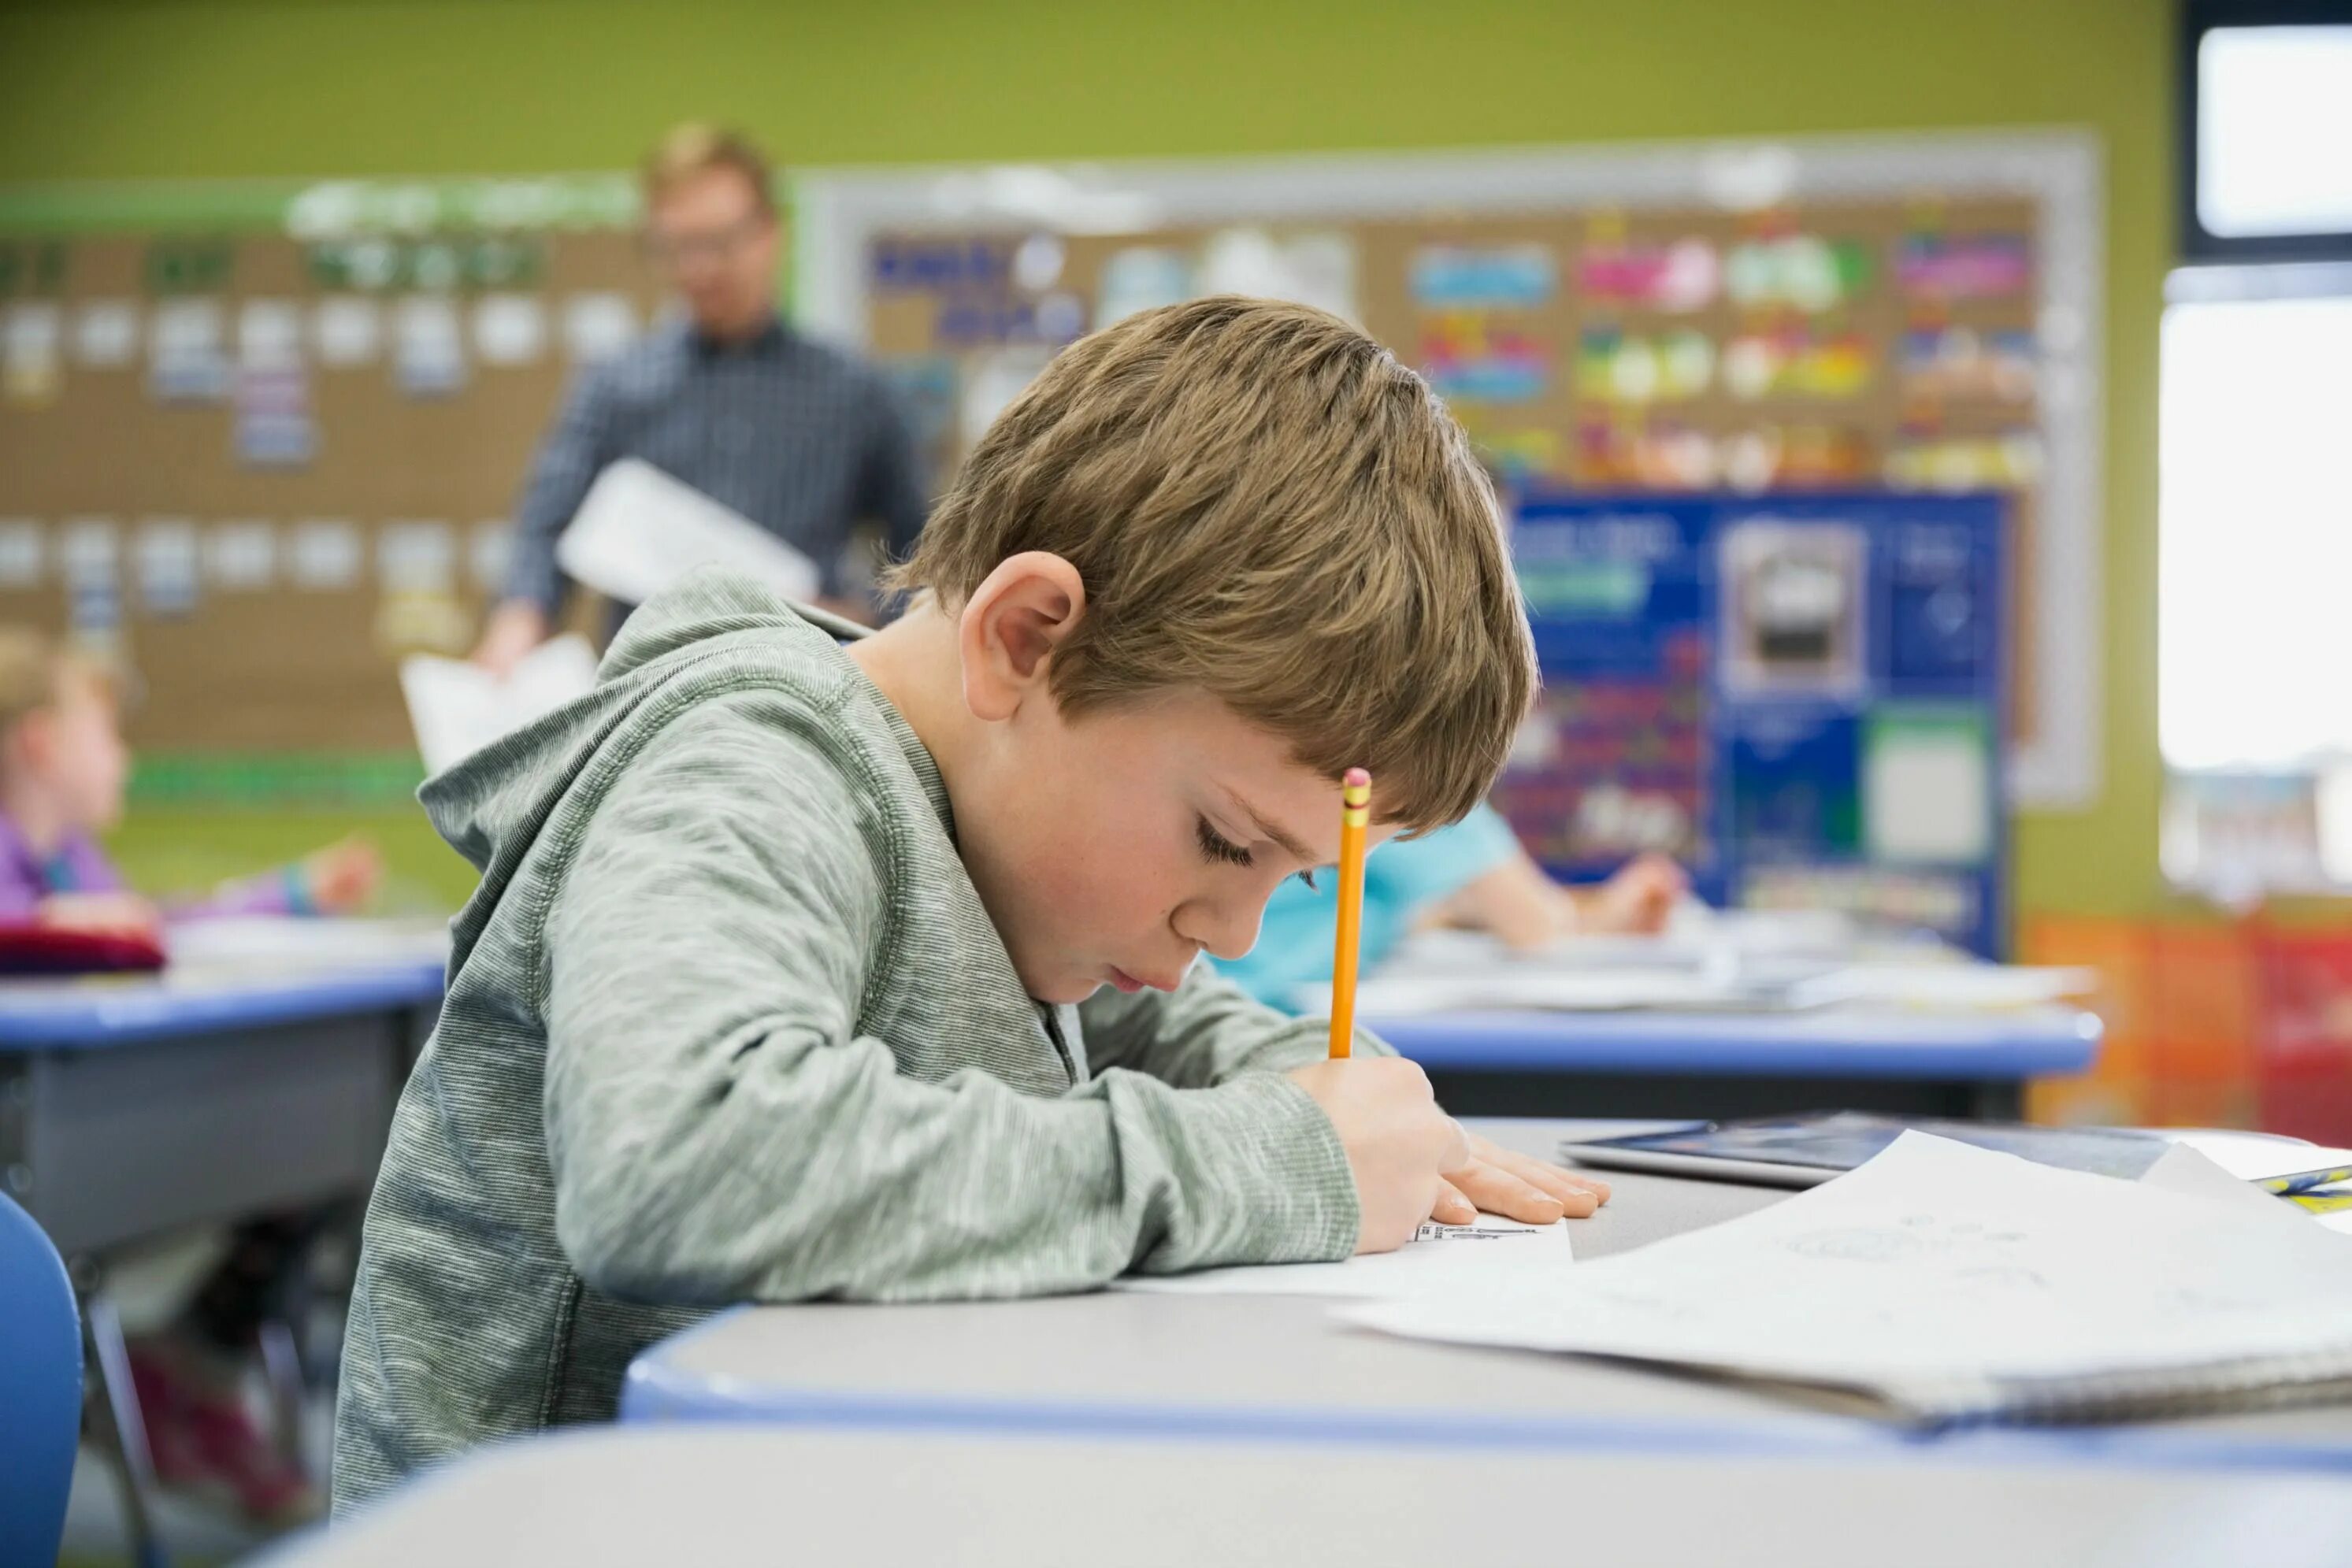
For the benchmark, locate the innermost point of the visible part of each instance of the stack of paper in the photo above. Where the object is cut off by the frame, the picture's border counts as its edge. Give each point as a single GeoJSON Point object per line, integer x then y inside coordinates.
{"type": "Point", "coordinates": [1942, 1282]}
{"type": "Point", "coordinates": [457, 709]}
{"type": "Point", "coordinates": [640, 530]}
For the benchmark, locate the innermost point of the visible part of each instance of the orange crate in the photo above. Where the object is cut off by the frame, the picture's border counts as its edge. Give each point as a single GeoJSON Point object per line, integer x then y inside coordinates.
{"type": "Point", "coordinates": [2303, 1063]}
{"type": "Point", "coordinates": [2203, 1008]}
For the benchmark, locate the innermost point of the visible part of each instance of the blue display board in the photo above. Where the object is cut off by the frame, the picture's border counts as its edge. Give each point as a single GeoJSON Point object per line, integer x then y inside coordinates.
{"type": "Point", "coordinates": [1800, 698]}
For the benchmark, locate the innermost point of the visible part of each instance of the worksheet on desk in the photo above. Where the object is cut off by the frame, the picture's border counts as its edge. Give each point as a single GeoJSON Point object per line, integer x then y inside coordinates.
{"type": "Point", "coordinates": [1494, 1249]}
{"type": "Point", "coordinates": [1938, 1265]}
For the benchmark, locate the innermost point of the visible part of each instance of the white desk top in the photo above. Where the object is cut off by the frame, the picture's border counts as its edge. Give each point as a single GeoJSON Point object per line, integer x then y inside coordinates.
{"type": "Point", "coordinates": [734, 1494]}
{"type": "Point", "coordinates": [1233, 1366]}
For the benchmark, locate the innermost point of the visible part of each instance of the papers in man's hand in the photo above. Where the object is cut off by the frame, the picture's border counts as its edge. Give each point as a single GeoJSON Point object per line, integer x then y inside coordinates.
{"type": "Point", "coordinates": [1492, 1251]}
{"type": "Point", "coordinates": [457, 709]}
{"type": "Point", "coordinates": [1946, 1281]}
{"type": "Point", "coordinates": [639, 530]}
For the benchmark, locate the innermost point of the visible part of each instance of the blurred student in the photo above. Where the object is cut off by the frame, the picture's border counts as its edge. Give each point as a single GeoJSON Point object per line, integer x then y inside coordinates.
{"type": "Point", "coordinates": [63, 770]}
{"type": "Point", "coordinates": [796, 436]}
{"type": "Point", "coordinates": [1472, 874]}
{"type": "Point", "coordinates": [63, 767]}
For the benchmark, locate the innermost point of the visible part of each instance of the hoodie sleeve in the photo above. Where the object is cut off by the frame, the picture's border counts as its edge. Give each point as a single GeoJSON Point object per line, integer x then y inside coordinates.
{"type": "Point", "coordinates": [718, 1129]}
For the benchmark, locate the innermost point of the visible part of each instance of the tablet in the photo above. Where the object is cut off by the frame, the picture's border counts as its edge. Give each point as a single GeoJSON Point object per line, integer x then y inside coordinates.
{"type": "Point", "coordinates": [1805, 1151]}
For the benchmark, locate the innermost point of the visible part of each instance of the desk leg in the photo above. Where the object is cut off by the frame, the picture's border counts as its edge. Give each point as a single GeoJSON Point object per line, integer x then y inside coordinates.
{"type": "Point", "coordinates": [2000, 1101]}
{"type": "Point", "coordinates": [134, 1461]}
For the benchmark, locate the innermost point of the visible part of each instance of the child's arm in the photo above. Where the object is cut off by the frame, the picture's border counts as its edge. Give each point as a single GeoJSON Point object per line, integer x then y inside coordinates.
{"type": "Point", "coordinates": [336, 879]}
{"type": "Point", "coordinates": [719, 1130]}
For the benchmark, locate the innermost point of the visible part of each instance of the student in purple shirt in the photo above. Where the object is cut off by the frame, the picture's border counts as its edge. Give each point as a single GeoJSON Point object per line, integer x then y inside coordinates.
{"type": "Point", "coordinates": [63, 766]}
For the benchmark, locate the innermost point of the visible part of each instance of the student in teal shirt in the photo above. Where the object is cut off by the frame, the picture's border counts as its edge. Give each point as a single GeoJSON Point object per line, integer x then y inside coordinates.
{"type": "Point", "coordinates": [1473, 873]}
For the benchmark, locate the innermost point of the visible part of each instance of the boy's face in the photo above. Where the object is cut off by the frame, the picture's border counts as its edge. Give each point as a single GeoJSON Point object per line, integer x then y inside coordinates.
{"type": "Point", "coordinates": [1110, 848]}
{"type": "Point", "coordinates": [79, 753]}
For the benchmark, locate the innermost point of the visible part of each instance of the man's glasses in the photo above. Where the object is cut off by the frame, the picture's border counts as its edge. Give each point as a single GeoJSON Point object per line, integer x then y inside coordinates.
{"type": "Point", "coordinates": [711, 244]}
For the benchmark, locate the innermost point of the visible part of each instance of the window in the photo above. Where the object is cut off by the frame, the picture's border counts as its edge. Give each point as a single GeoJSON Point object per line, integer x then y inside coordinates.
{"type": "Point", "coordinates": [2267, 117]}
{"type": "Point", "coordinates": [2254, 527]}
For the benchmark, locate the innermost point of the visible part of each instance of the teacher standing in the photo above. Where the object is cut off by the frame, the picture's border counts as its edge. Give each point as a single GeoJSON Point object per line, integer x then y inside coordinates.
{"type": "Point", "coordinates": [805, 440]}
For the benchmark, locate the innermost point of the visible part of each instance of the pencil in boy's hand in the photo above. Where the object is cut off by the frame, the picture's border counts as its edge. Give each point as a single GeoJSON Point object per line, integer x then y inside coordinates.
{"type": "Point", "coordinates": [1355, 816]}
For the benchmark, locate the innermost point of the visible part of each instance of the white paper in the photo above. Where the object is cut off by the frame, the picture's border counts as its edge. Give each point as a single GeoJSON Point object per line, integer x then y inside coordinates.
{"type": "Point", "coordinates": [1536, 989]}
{"type": "Point", "coordinates": [1928, 1272]}
{"type": "Point", "coordinates": [23, 546]}
{"type": "Point", "coordinates": [31, 353]}
{"type": "Point", "coordinates": [105, 333]}
{"type": "Point", "coordinates": [241, 556]}
{"type": "Point", "coordinates": [509, 328]}
{"type": "Point", "coordinates": [325, 554]}
{"type": "Point", "coordinates": [2182, 1169]}
{"type": "Point", "coordinates": [348, 329]}
{"type": "Point", "coordinates": [89, 550]}
{"type": "Point", "coordinates": [1472, 1257]}
{"type": "Point", "coordinates": [270, 333]}
{"type": "Point", "coordinates": [166, 555]}
{"type": "Point", "coordinates": [428, 346]}
{"type": "Point", "coordinates": [280, 943]}
{"type": "Point", "coordinates": [1946, 987]}
{"type": "Point", "coordinates": [457, 708]}
{"type": "Point", "coordinates": [416, 556]}
{"type": "Point", "coordinates": [2257, 1156]}
{"type": "Point", "coordinates": [186, 360]}
{"type": "Point", "coordinates": [598, 325]}
{"type": "Point", "coordinates": [639, 530]}
{"type": "Point", "coordinates": [491, 554]}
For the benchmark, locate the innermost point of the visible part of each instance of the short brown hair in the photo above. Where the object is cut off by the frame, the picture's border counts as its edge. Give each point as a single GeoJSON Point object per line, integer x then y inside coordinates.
{"type": "Point", "coordinates": [696, 149]}
{"type": "Point", "coordinates": [1264, 506]}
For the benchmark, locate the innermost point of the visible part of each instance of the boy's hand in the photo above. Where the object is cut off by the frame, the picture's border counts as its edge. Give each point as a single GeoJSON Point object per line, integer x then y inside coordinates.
{"type": "Point", "coordinates": [1398, 1142]}
{"type": "Point", "coordinates": [1514, 1185]}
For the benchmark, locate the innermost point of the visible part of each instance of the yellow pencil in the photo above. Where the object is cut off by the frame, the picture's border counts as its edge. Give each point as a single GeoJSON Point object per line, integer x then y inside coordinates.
{"type": "Point", "coordinates": [1355, 816]}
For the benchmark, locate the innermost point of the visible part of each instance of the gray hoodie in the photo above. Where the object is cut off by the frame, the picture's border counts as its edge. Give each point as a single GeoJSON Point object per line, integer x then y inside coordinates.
{"type": "Point", "coordinates": [728, 1022]}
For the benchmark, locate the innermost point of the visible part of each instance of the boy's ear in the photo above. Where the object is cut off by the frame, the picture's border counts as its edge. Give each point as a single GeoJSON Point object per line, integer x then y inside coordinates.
{"type": "Point", "coordinates": [1010, 627]}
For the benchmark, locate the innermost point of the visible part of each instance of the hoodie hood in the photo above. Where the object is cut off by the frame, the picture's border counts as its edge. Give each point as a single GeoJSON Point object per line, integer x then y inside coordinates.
{"type": "Point", "coordinates": [492, 805]}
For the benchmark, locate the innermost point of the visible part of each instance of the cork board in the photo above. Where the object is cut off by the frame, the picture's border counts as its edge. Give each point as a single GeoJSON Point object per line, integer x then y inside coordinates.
{"type": "Point", "coordinates": [261, 467]}
{"type": "Point", "coordinates": [1917, 314]}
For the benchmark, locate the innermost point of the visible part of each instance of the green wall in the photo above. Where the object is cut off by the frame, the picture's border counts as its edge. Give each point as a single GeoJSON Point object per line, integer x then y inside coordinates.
{"type": "Point", "coordinates": [101, 90]}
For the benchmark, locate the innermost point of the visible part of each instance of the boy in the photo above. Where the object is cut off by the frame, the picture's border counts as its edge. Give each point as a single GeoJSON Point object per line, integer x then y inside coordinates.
{"type": "Point", "coordinates": [798, 971]}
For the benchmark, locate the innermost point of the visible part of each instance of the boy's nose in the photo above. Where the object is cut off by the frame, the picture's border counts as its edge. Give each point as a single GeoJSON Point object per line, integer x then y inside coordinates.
{"type": "Point", "coordinates": [1221, 929]}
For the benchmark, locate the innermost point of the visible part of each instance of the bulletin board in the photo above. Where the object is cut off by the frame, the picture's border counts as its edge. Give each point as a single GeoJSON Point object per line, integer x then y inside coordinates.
{"type": "Point", "coordinates": [261, 442]}
{"type": "Point", "coordinates": [1800, 318]}
{"type": "Point", "coordinates": [1798, 698]}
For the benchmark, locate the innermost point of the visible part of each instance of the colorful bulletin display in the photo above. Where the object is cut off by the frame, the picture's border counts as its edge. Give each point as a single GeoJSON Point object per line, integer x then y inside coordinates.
{"type": "Point", "coordinates": [1798, 698]}
{"type": "Point", "coordinates": [1918, 314]}
{"type": "Point", "coordinates": [261, 442]}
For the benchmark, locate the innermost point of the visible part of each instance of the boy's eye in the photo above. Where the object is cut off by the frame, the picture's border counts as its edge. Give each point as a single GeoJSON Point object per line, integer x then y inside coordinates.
{"type": "Point", "coordinates": [1215, 846]}
{"type": "Point", "coordinates": [1309, 878]}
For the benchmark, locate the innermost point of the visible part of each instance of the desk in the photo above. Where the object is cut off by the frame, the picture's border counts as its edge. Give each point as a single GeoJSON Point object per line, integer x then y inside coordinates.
{"type": "Point", "coordinates": [1720, 1065]}
{"type": "Point", "coordinates": [727, 1495]}
{"type": "Point", "coordinates": [220, 1088]}
{"type": "Point", "coordinates": [1237, 1367]}
{"type": "Point", "coordinates": [259, 1072]}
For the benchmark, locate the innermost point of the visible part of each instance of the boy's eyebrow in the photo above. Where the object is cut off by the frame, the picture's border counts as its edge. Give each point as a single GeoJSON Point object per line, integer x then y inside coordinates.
{"type": "Point", "coordinates": [1290, 846]}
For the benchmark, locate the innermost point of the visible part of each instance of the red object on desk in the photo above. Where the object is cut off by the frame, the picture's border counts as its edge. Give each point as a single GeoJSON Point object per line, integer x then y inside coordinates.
{"type": "Point", "coordinates": [29, 948]}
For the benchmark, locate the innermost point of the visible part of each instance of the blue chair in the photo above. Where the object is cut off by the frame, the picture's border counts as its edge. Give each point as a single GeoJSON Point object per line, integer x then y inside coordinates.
{"type": "Point", "coordinates": [41, 1389]}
